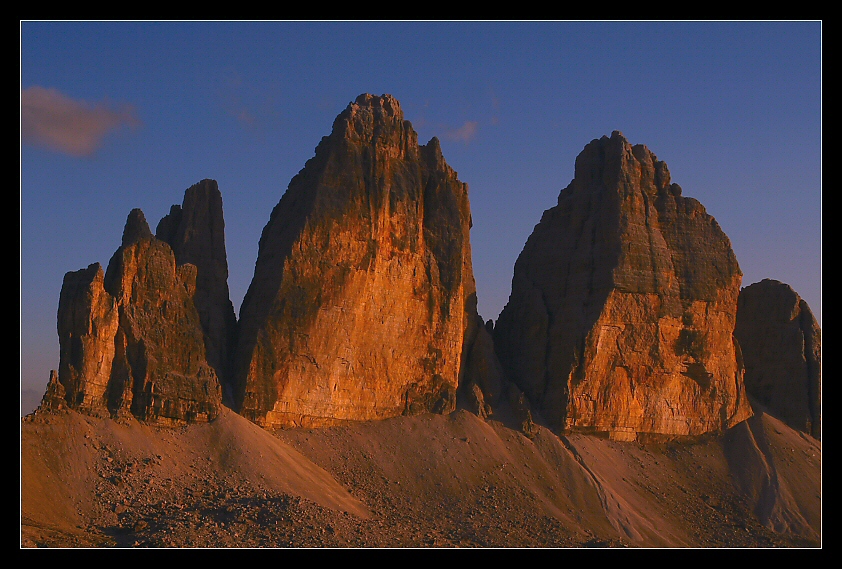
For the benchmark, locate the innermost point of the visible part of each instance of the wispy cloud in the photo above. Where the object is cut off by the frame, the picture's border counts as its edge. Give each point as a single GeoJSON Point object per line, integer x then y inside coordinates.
{"type": "Point", "coordinates": [53, 120]}
{"type": "Point", "coordinates": [464, 133]}
{"type": "Point", "coordinates": [253, 106]}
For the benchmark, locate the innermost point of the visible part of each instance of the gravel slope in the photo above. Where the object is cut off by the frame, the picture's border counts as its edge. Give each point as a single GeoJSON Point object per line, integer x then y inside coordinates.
{"type": "Point", "coordinates": [424, 481]}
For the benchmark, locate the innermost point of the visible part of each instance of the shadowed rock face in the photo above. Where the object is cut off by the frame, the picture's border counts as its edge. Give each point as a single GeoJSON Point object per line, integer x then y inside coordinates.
{"type": "Point", "coordinates": [623, 305]}
{"type": "Point", "coordinates": [196, 233]}
{"type": "Point", "coordinates": [131, 339]}
{"type": "Point", "coordinates": [363, 293]}
{"type": "Point", "coordinates": [781, 345]}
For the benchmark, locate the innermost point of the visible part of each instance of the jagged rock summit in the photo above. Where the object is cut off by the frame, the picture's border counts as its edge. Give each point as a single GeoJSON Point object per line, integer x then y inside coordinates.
{"type": "Point", "coordinates": [623, 304]}
{"type": "Point", "coordinates": [363, 297]}
{"type": "Point", "coordinates": [131, 339]}
{"type": "Point", "coordinates": [781, 343]}
{"type": "Point", "coordinates": [363, 302]}
{"type": "Point", "coordinates": [196, 232]}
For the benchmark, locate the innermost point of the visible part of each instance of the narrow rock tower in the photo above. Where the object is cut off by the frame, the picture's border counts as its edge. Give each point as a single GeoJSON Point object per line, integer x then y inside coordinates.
{"type": "Point", "coordinates": [623, 304]}
{"type": "Point", "coordinates": [196, 232]}
{"type": "Point", "coordinates": [363, 293]}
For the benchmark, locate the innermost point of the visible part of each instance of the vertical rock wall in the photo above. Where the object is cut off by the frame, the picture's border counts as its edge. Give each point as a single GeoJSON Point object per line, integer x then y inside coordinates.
{"type": "Point", "coordinates": [623, 305]}
{"type": "Point", "coordinates": [196, 233]}
{"type": "Point", "coordinates": [363, 293]}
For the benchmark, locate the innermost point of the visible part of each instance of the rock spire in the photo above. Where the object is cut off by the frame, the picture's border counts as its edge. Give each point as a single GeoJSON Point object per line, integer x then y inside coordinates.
{"type": "Point", "coordinates": [363, 297]}
{"type": "Point", "coordinates": [623, 305]}
{"type": "Point", "coordinates": [196, 233]}
{"type": "Point", "coordinates": [131, 338]}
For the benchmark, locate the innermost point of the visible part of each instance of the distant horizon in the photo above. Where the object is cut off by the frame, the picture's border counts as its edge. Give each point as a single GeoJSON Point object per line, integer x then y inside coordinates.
{"type": "Point", "coordinates": [118, 115]}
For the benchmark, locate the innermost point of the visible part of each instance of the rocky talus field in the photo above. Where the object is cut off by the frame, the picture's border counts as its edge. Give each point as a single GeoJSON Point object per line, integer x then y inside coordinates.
{"type": "Point", "coordinates": [424, 481]}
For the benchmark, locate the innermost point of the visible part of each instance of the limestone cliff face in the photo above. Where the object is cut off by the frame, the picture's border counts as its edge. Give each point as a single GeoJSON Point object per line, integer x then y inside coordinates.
{"type": "Point", "coordinates": [196, 233]}
{"type": "Point", "coordinates": [88, 318]}
{"type": "Point", "coordinates": [131, 338]}
{"type": "Point", "coordinates": [781, 345]}
{"type": "Point", "coordinates": [363, 293]}
{"type": "Point", "coordinates": [623, 305]}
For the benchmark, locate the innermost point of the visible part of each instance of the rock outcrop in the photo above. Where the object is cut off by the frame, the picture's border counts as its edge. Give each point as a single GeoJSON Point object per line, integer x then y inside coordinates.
{"type": "Point", "coordinates": [54, 396]}
{"type": "Point", "coordinates": [781, 345]}
{"type": "Point", "coordinates": [131, 338]}
{"type": "Point", "coordinates": [363, 299]}
{"type": "Point", "coordinates": [623, 305]}
{"type": "Point", "coordinates": [196, 232]}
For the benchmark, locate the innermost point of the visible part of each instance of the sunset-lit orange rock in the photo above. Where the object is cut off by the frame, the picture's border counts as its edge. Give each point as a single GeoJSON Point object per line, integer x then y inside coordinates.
{"type": "Point", "coordinates": [363, 295]}
{"type": "Point", "coordinates": [131, 338]}
{"type": "Point", "coordinates": [623, 304]}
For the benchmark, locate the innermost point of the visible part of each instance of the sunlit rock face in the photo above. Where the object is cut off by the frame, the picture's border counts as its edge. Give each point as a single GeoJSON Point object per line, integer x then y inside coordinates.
{"type": "Point", "coordinates": [363, 296]}
{"type": "Point", "coordinates": [131, 339]}
{"type": "Point", "coordinates": [88, 318]}
{"type": "Point", "coordinates": [781, 343]}
{"type": "Point", "coordinates": [623, 305]}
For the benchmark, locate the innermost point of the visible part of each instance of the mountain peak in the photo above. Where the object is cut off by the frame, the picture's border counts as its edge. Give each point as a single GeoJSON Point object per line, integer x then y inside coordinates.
{"type": "Point", "coordinates": [377, 120]}
{"type": "Point", "coordinates": [136, 228]}
{"type": "Point", "coordinates": [360, 301]}
{"type": "Point", "coordinates": [623, 304]}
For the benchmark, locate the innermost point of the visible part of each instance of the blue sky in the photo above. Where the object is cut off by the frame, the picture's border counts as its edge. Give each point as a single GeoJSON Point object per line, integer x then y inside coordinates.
{"type": "Point", "coordinates": [118, 115]}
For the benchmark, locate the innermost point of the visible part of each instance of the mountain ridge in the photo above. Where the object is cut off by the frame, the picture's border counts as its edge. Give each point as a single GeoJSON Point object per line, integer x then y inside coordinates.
{"type": "Point", "coordinates": [374, 407]}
